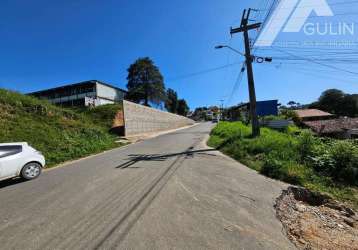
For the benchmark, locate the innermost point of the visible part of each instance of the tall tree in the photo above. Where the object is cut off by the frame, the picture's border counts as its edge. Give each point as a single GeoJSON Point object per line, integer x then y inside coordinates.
{"type": "Point", "coordinates": [292, 104]}
{"type": "Point", "coordinates": [337, 102]}
{"type": "Point", "coordinates": [331, 100]}
{"type": "Point", "coordinates": [145, 82]}
{"type": "Point", "coordinates": [171, 103]}
{"type": "Point", "coordinates": [183, 108]}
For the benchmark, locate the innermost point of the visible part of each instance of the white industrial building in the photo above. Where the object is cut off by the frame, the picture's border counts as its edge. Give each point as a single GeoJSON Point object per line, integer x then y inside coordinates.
{"type": "Point", "coordinates": [88, 93]}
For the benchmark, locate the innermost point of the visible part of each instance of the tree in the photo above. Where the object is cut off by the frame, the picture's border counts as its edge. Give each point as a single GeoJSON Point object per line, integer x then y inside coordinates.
{"type": "Point", "coordinates": [292, 104]}
{"type": "Point", "coordinates": [337, 102]}
{"type": "Point", "coordinates": [350, 104]}
{"type": "Point", "coordinates": [200, 113]}
{"type": "Point", "coordinates": [145, 82]}
{"type": "Point", "coordinates": [183, 108]}
{"type": "Point", "coordinates": [331, 101]}
{"type": "Point", "coordinates": [171, 102]}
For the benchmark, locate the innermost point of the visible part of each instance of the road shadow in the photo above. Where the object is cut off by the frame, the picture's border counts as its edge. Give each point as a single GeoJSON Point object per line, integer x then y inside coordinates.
{"type": "Point", "coordinates": [135, 158]}
{"type": "Point", "coordinates": [11, 182]}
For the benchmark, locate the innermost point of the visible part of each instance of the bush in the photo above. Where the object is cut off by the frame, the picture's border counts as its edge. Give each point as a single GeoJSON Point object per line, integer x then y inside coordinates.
{"type": "Point", "coordinates": [345, 156]}
{"type": "Point", "coordinates": [104, 114]}
{"type": "Point", "coordinates": [293, 130]}
{"type": "Point", "coordinates": [296, 157]}
{"type": "Point", "coordinates": [289, 114]}
{"type": "Point", "coordinates": [273, 118]}
{"type": "Point", "coordinates": [281, 153]}
{"type": "Point", "coordinates": [288, 171]}
{"type": "Point", "coordinates": [337, 159]}
{"type": "Point", "coordinates": [305, 145]}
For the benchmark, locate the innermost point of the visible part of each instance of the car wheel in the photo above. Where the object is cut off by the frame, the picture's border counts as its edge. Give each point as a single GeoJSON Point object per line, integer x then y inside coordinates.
{"type": "Point", "coordinates": [31, 171]}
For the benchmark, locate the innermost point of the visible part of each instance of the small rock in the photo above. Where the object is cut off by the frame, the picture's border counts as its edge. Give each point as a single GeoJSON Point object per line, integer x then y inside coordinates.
{"type": "Point", "coordinates": [334, 206]}
{"type": "Point", "coordinates": [302, 241]}
{"type": "Point", "coordinates": [340, 226]}
{"type": "Point", "coordinates": [336, 216]}
{"type": "Point", "coordinates": [349, 211]}
{"type": "Point", "coordinates": [344, 213]}
{"type": "Point", "coordinates": [300, 208]}
{"type": "Point", "coordinates": [349, 222]}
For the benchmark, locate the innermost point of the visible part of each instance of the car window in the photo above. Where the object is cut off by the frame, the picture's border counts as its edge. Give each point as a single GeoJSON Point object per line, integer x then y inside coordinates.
{"type": "Point", "coordinates": [10, 150]}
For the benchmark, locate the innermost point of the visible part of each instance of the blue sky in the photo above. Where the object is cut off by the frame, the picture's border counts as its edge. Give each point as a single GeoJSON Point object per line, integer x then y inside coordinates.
{"type": "Point", "coordinates": [49, 43]}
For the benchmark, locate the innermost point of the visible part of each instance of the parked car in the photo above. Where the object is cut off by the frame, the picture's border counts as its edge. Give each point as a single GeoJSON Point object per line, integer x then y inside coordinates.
{"type": "Point", "coordinates": [20, 159]}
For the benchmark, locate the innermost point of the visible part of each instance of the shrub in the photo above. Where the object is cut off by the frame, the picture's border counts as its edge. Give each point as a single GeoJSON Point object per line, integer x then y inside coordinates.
{"type": "Point", "coordinates": [273, 141]}
{"type": "Point", "coordinates": [337, 159]}
{"type": "Point", "coordinates": [273, 117]}
{"type": "Point", "coordinates": [288, 171]}
{"type": "Point", "coordinates": [289, 114]}
{"type": "Point", "coordinates": [293, 130]}
{"type": "Point", "coordinates": [104, 114]}
{"type": "Point", "coordinates": [296, 157]}
{"type": "Point", "coordinates": [345, 156]}
{"type": "Point", "coordinates": [305, 145]}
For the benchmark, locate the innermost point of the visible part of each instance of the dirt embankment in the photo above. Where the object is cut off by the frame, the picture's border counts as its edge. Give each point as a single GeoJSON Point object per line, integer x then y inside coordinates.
{"type": "Point", "coordinates": [314, 221]}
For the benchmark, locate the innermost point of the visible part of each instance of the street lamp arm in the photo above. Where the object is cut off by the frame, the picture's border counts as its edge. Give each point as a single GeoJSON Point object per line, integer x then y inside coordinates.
{"type": "Point", "coordinates": [259, 59]}
{"type": "Point", "coordinates": [235, 50]}
{"type": "Point", "coordinates": [231, 48]}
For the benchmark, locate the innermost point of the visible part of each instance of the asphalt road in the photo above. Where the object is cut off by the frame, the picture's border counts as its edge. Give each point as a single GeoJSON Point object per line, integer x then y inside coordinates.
{"type": "Point", "coordinates": [168, 192]}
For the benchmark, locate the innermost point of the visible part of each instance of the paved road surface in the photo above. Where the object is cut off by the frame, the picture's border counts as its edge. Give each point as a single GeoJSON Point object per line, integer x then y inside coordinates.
{"type": "Point", "coordinates": [168, 192]}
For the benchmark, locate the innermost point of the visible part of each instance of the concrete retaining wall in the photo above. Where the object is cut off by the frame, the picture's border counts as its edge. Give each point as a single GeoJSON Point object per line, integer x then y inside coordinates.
{"type": "Point", "coordinates": [139, 119]}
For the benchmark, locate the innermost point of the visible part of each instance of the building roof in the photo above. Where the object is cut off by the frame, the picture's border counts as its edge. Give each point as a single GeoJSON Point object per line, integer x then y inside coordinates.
{"type": "Point", "coordinates": [305, 113]}
{"type": "Point", "coordinates": [78, 84]}
{"type": "Point", "coordinates": [332, 125]}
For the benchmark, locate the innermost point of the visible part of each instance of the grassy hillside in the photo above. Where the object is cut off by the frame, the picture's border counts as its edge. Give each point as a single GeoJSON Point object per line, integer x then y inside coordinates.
{"type": "Point", "coordinates": [294, 156]}
{"type": "Point", "coordinates": [61, 134]}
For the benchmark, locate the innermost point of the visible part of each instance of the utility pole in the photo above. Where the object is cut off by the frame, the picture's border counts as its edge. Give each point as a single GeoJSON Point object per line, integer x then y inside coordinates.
{"type": "Point", "coordinates": [245, 27]}
{"type": "Point", "coordinates": [222, 110]}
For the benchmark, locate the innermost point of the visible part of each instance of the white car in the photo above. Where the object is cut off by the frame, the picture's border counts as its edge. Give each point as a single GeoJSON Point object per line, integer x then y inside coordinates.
{"type": "Point", "coordinates": [19, 159]}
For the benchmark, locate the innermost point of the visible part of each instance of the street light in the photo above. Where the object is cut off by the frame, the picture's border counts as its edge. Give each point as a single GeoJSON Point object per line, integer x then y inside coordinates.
{"type": "Point", "coordinates": [231, 48]}
{"type": "Point", "coordinates": [254, 58]}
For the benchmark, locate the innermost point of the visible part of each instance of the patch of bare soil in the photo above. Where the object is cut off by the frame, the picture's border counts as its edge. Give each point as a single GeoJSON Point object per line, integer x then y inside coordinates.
{"type": "Point", "coordinates": [313, 221]}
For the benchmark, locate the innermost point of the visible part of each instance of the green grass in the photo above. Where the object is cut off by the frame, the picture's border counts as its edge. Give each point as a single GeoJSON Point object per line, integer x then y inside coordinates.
{"type": "Point", "coordinates": [294, 156]}
{"type": "Point", "coordinates": [60, 134]}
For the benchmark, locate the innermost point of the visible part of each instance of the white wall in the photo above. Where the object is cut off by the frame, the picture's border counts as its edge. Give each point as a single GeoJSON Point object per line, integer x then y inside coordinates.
{"type": "Point", "coordinates": [103, 101]}
{"type": "Point", "coordinates": [109, 93]}
{"type": "Point", "coordinates": [139, 119]}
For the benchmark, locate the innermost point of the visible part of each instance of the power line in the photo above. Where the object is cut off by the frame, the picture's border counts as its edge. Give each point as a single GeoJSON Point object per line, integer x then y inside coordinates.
{"type": "Point", "coordinates": [270, 11]}
{"type": "Point", "coordinates": [318, 5]}
{"type": "Point", "coordinates": [312, 49]}
{"type": "Point", "coordinates": [202, 72]}
{"type": "Point", "coordinates": [316, 62]}
{"type": "Point", "coordinates": [237, 83]}
{"type": "Point", "coordinates": [330, 59]}
{"type": "Point", "coordinates": [342, 27]}
{"type": "Point", "coordinates": [312, 17]}
{"type": "Point", "coordinates": [295, 43]}
{"type": "Point", "coordinates": [314, 73]}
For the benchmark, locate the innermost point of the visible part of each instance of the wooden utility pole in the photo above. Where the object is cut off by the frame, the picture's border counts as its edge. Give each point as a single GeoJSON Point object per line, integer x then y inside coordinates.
{"type": "Point", "coordinates": [222, 110]}
{"type": "Point", "coordinates": [245, 27]}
